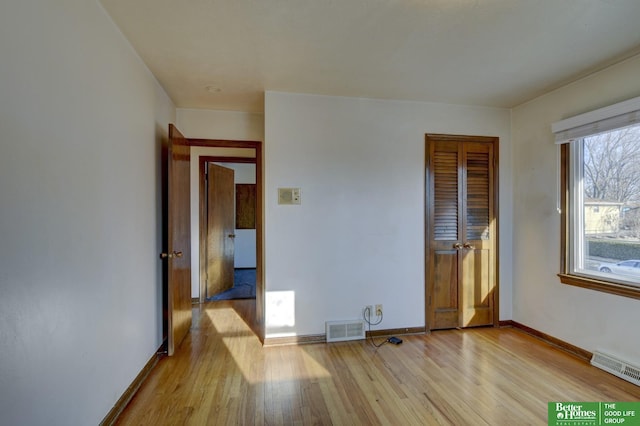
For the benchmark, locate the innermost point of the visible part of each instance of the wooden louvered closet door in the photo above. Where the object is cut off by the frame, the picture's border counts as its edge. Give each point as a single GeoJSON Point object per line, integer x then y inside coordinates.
{"type": "Point", "coordinates": [461, 281]}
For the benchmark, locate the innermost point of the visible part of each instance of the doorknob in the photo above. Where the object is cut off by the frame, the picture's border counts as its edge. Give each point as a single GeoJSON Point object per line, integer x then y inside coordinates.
{"type": "Point", "coordinates": [170, 255]}
{"type": "Point", "coordinates": [232, 235]}
{"type": "Point", "coordinates": [457, 246]}
{"type": "Point", "coordinates": [467, 246]}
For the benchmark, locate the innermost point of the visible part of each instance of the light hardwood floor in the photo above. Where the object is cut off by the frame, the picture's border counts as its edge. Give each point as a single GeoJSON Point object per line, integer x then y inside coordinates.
{"type": "Point", "coordinates": [486, 376]}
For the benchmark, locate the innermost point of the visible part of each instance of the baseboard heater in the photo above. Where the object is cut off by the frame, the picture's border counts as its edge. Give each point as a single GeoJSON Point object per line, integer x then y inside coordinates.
{"type": "Point", "coordinates": [340, 331]}
{"type": "Point", "coordinates": [617, 367]}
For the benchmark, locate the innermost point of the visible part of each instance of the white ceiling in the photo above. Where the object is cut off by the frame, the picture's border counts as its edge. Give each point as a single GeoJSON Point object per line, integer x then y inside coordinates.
{"type": "Point", "coordinates": [224, 54]}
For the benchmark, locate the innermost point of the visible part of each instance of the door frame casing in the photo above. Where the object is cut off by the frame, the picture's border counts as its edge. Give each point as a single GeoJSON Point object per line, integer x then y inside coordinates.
{"type": "Point", "coordinates": [258, 160]}
{"type": "Point", "coordinates": [495, 141]}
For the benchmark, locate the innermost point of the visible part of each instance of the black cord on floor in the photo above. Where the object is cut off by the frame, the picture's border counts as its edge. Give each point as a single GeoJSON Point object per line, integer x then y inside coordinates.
{"type": "Point", "coordinates": [367, 317]}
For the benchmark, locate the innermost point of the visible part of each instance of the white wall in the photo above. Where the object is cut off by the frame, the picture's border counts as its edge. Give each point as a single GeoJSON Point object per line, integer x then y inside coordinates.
{"type": "Point", "coordinates": [82, 121]}
{"type": "Point", "coordinates": [588, 319]}
{"type": "Point", "coordinates": [358, 236]}
{"type": "Point", "coordinates": [211, 124]}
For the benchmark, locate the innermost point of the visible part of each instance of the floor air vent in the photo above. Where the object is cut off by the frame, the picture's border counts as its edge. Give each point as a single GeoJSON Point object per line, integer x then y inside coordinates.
{"type": "Point", "coordinates": [339, 331]}
{"type": "Point", "coordinates": [617, 367]}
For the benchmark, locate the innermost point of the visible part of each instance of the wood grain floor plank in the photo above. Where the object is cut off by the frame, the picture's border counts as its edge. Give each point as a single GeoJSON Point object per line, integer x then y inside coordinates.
{"type": "Point", "coordinates": [487, 376]}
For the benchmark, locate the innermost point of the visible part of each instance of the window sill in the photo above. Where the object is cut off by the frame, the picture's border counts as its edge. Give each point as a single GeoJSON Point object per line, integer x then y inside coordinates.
{"type": "Point", "coordinates": [599, 285]}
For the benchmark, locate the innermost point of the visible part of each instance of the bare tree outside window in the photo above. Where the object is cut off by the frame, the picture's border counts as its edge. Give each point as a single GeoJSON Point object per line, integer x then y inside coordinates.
{"type": "Point", "coordinates": [612, 166]}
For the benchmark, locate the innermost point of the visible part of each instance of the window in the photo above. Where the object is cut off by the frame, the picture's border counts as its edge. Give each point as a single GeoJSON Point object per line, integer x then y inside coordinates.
{"type": "Point", "coordinates": [600, 202]}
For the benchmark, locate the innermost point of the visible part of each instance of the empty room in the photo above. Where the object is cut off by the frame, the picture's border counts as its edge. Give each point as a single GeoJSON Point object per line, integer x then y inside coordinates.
{"type": "Point", "coordinates": [319, 212]}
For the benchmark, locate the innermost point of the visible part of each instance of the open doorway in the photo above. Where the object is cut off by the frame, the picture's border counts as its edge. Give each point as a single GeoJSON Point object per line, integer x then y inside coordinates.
{"type": "Point", "coordinates": [228, 231]}
{"type": "Point", "coordinates": [244, 160]}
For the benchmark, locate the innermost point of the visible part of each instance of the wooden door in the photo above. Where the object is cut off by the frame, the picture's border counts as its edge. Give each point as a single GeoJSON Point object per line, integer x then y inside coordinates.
{"type": "Point", "coordinates": [478, 221]}
{"type": "Point", "coordinates": [220, 228]}
{"type": "Point", "coordinates": [461, 224]}
{"type": "Point", "coordinates": [178, 253]}
{"type": "Point", "coordinates": [445, 198]}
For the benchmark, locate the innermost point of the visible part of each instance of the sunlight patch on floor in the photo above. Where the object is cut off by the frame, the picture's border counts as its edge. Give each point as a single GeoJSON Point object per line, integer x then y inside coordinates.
{"type": "Point", "coordinates": [259, 364]}
{"type": "Point", "coordinates": [227, 321]}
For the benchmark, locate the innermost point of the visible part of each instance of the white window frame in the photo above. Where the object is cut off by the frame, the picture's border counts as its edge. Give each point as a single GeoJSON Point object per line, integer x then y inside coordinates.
{"type": "Point", "coordinates": [576, 214]}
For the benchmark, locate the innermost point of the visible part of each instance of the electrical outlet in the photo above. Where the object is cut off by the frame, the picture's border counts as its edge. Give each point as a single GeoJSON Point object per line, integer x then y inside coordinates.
{"type": "Point", "coordinates": [378, 310]}
{"type": "Point", "coordinates": [368, 311]}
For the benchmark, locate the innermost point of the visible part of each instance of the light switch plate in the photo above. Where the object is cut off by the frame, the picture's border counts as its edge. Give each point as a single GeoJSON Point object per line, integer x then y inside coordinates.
{"type": "Point", "coordinates": [289, 196]}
